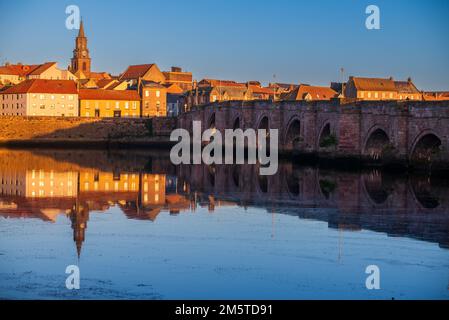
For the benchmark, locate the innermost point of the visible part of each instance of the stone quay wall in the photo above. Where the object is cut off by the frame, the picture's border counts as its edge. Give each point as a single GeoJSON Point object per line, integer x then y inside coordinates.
{"type": "Point", "coordinates": [36, 130]}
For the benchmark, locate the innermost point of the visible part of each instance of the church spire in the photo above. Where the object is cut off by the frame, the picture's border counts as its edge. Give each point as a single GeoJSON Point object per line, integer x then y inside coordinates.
{"type": "Point", "coordinates": [81, 62]}
{"type": "Point", "coordinates": [81, 31]}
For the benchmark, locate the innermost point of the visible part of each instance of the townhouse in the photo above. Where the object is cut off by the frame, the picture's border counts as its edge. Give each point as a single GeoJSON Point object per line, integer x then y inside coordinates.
{"type": "Point", "coordinates": [109, 103]}
{"type": "Point", "coordinates": [39, 97]}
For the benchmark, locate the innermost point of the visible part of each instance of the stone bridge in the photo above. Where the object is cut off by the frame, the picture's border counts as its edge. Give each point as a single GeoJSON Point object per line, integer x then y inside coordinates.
{"type": "Point", "coordinates": [379, 132]}
{"type": "Point", "coordinates": [415, 206]}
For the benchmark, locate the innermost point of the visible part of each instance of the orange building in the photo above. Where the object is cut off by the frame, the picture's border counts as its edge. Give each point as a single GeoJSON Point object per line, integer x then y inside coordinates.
{"type": "Point", "coordinates": [109, 103]}
{"type": "Point", "coordinates": [38, 97]}
{"type": "Point", "coordinates": [149, 72]}
{"type": "Point", "coordinates": [176, 76]}
{"type": "Point", "coordinates": [381, 89]}
{"type": "Point", "coordinates": [154, 99]}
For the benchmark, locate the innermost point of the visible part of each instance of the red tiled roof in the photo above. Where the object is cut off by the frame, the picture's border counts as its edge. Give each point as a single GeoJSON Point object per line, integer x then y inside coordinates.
{"type": "Point", "coordinates": [260, 90]}
{"type": "Point", "coordinates": [316, 93]}
{"type": "Point", "coordinates": [173, 88]}
{"type": "Point", "coordinates": [99, 75]}
{"type": "Point", "coordinates": [43, 86]}
{"type": "Point", "coordinates": [42, 68]}
{"type": "Point", "coordinates": [136, 71]}
{"type": "Point", "coordinates": [114, 85]}
{"type": "Point", "coordinates": [100, 94]}
{"type": "Point", "coordinates": [18, 69]}
{"type": "Point", "coordinates": [374, 84]}
{"type": "Point", "coordinates": [105, 83]}
{"type": "Point", "coordinates": [406, 87]}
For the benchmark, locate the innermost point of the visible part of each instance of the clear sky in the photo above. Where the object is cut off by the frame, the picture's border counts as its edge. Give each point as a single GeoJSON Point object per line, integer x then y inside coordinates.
{"type": "Point", "coordinates": [298, 41]}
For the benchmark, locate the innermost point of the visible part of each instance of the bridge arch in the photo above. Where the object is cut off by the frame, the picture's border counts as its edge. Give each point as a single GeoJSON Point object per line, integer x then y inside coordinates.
{"type": "Point", "coordinates": [326, 138]}
{"type": "Point", "coordinates": [263, 122]}
{"type": "Point", "coordinates": [236, 123]}
{"type": "Point", "coordinates": [377, 143]}
{"type": "Point", "coordinates": [211, 123]}
{"type": "Point", "coordinates": [292, 135]}
{"type": "Point", "coordinates": [426, 147]}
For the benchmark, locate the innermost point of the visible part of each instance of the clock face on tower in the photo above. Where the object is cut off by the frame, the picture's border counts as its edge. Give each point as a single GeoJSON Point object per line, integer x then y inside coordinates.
{"type": "Point", "coordinates": [84, 53]}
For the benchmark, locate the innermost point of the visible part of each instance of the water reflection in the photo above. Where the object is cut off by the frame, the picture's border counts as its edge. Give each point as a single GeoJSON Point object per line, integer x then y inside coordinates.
{"type": "Point", "coordinates": [44, 184]}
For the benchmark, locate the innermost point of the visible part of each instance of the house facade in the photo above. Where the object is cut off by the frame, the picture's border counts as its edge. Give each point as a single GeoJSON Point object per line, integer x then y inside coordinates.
{"type": "Point", "coordinates": [381, 89]}
{"type": "Point", "coordinates": [211, 90]}
{"type": "Point", "coordinates": [371, 89]}
{"type": "Point", "coordinates": [407, 90]}
{"type": "Point", "coordinates": [109, 103]}
{"type": "Point", "coordinates": [154, 99]}
{"type": "Point", "coordinates": [39, 97]}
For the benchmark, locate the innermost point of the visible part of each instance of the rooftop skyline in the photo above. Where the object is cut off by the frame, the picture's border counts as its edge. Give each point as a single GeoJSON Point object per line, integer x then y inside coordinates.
{"type": "Point", "coordinates": [299, 42]}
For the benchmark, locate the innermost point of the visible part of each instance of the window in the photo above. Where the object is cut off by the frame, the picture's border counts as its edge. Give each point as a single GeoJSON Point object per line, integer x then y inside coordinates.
{"type": "Point", "coordinates": [147, 93]}
{"type": "Point", "coordinates": [42, 106]}
{"type": "Point", "coordinates": [126, 105]}
{"type": "Point", "coordinates": [134, 105]}
{"type": "Point", "coordinates": [70, 106]}
{"type": "Point", "coordinates": [391, 95]}
{"type": "Point", "coordinates": [117, 105]}
{"type": "Point", "coordinates": [376, 95]}
{"type": "Point", "coordinates": [369, 95]}
{"type": "Point", "coordinates": [158, 93]}
{"type": "Point", "coordinates": [383, 95]}
{"type": "Point", "coordinates": [42, 97]}
{"type": "Point", "coordinates": [52, 97]}
{"type": "Point", "coordinates": [70, 97]}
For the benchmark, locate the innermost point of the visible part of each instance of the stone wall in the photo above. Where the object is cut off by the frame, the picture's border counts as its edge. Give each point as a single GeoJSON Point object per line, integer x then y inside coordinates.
{"type": "Point", "coordinates": [14, 129]}
{"type": "Point", "coordinates": [407, 125]}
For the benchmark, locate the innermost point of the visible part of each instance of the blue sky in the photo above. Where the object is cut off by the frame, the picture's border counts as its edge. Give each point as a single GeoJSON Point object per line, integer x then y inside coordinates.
{"type": "Point", "coordinates": [298, 41]}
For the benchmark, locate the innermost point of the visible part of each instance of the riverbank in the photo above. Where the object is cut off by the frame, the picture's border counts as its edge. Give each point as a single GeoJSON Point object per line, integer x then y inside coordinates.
{"type": "Point", "coordinates": [154, 133]}
{"type": "Point", "coordinates": [151, 142]}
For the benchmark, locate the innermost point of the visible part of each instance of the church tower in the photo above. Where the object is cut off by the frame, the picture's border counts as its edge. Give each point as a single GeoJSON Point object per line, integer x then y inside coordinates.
{"type": "Point", "coordinates": [81, 59]}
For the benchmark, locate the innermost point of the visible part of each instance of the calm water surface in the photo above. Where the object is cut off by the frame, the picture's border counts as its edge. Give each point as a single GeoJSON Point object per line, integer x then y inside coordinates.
{"type": "Point", "coordinates": [140, 228]}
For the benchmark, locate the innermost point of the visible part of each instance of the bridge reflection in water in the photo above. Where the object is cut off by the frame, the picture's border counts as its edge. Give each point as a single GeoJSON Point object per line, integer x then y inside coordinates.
{"type": "Point", "coordinates": [44, 184]}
